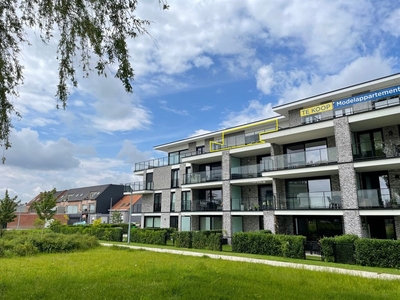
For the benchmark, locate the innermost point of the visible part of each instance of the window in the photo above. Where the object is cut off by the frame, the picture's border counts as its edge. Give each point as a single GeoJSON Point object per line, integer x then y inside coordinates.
{"type": "Point", "coordinates": [152, 222]}
{"type": "Point", "coordinates": [92, 208]}
{"type": "Point", "coordinates": [175, 157]}
{"type": "Point", "coordinates": [72, 209]}
{"type": "Point", "coordinates": [173, 222]}
{"type": "Point", "coordinates": [186, 201]}
{"type": "Point", "coordinates": [200, 150]}
{"type": "Point", "coordinates": [157, 203]}
{"type": "Point", "coordinates": [175, 178]}
{"type": "Point", "coordinates": [308, 153]}
{"type": "Point", "coordinates": [211, 171]}
{"type": "Point", "coordinates": [84, 208]}
{"type": "Point", "coordinates": [344, 112]}
{"type": "Point", "coordinates": [313, 193]}
{"type": "Point", "coordinates": [211, 223]}
{"type": "Point", "coordinates": [173, 198]}
{"type": "Point", "coordinates": [149, 181]}
{"type": "Point", "coordinates": [312, 119]}
{"type": "Point", "coordinates": [185, 224]}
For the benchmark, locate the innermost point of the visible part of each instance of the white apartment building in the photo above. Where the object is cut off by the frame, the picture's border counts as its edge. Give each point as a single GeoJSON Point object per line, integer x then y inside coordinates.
{"type": "Point", "coordinates": [327, 165]}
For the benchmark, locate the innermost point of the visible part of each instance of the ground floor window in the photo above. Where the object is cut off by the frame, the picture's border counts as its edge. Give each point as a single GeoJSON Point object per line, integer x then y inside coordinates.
{"type": "Point", "coordinates": [379, 227]}
{"type": "Point", "coordinates": [152, 222]}
{"type": "Point", "coordinates": [173, 222]}
{"type": "Point", "coordinates": [211, 223]}
{"type": "Point", "coordinates": [185, 223]}
{"type": "Point", "coordinates": [315, 228]}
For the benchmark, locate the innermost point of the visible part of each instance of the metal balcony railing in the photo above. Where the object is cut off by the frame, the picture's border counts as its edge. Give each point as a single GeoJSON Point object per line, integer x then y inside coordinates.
{"type": "Point", "coordinates": [378, 198]}
{"type": "Point", "coordinates": [376, 149]}
{"type": "Point", "coordinates": [300, 159]}
{"type": "Point", "coordinates": [252, 204]}
{"type": "Point", "coordinates": [207, 205]}
{"type": "Point", "coordinates": [200, 177]}
{"type": "Point", "coordinates": [139, 186]}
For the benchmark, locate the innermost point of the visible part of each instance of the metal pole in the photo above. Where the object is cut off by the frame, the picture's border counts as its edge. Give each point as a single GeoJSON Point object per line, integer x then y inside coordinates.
{"type": "Point", "coordinates": [110, 211]}
{"type": "Point", "coordinates": [129, 220]}
{"type": "Point", "coordinates": [19, 215]}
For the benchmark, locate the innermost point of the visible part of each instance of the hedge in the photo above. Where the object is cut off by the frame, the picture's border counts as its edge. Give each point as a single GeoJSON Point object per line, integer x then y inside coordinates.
{"type": "Point", "coordinates": [269, 244]}
{"type": "Point", "coordinates": [378, 253]}
{"type": "Point", "coordinates": [32, 243]}
{"type": "Point", "coordinates": [207, 240]}
{"type": "Point", "coordinates": [183, 239]}
{"type": "Point", "coordinates": [149, 236]}
{"type": "Point", "coordinates": [338, 249]}
{"type": "Point", "coordinates": [107, 233]}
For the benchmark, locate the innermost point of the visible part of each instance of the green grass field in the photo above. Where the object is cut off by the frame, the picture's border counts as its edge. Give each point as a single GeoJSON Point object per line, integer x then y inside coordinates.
{"type": "Point", "coordinates": [111, 273]}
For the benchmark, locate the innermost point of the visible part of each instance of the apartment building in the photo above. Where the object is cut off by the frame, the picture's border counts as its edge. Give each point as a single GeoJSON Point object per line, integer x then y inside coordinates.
{"type": "Point", "coordinates": [326, 165]}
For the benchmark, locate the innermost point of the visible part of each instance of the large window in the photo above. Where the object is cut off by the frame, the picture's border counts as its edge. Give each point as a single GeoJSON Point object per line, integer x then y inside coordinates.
{"type": "Point", "coordinates": [368, 144]}
{"type": "Point", "coordinates": [175, 157]}
{"type": "Point", "coordinates": [149, 181]}
{"type": "Point", "coordinates": [152, 222]}
{"type": "Point", "coordinates": [173, 222]}
{"type": "Point", "coordinates": [315, 228]}
{"type": "Point", "coordinates": [186, 201]}
{"type": "Point", "coordinates": [157, 202]}
{"type": "Point", "coordinates": [212, 171]}
{"type": "Point", "coordinates": [175, 178]}
{"type": "Point", "coordinates": [211, 223]}
{"type": "Point", "coordinates": [72, 209]}
{"type": "Point", "coordinates": [313, 193]}
{"type": "Point", "coordinates": [308, 153]}
{"type": "Point", "coordinates": [210, 199]}
{"type": "Point", "coordinates": [173, 198]}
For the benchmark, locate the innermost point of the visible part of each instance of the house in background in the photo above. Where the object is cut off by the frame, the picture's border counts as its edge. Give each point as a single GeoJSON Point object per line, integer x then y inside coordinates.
{"type": "Point", "coordinates": [123, 207]}
{"type": "Point", "coordinates": [89, 203]}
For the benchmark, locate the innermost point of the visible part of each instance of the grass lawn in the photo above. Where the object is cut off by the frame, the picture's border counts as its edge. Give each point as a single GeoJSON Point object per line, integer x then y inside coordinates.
{"type": "Point", "coordinates": [112, 273]}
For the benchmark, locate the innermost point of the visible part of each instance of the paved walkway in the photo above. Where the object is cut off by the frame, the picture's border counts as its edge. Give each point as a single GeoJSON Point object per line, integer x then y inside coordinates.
{"type": "Point", "coordinates": [268, 262]}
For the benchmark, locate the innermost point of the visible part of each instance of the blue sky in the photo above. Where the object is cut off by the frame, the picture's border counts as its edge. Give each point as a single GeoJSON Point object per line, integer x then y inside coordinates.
{"type": "Point", "coordinates": [208, 65]}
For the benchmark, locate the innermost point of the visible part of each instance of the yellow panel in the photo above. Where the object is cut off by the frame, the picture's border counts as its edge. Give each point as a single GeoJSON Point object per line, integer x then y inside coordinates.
{"type": "Point", "coordinates": [260, 141]}
{"type": "Point", "coordinates": [316, 109]}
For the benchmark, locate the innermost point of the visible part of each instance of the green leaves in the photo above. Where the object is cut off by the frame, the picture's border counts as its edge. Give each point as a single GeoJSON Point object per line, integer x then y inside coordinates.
{"type": "Point", "coordinates": [7, 210]}
{"type": "Point", "coordinates": [45, 205]}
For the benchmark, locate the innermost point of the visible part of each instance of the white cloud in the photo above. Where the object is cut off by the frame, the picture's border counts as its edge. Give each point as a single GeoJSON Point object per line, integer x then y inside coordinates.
{"type": "Point", "coordinates": [391, 23]}
{"type": "Point", "coordinates": [202, 61]}
{"type": "Point", "coordinates": [265, 78]}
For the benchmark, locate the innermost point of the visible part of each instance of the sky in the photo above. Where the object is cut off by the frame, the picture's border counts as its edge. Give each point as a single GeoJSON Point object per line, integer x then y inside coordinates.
{"type": "Point", "coordinates": [206, 65]}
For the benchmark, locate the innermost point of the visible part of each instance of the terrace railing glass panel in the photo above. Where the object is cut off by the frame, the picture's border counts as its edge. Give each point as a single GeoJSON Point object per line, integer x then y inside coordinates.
{"type": "Point", "coordinates": [201, 177]}
{"type": "Point", "coordinates": [314, 200]}
{"type": "Point", "coordinates": [378, 198]}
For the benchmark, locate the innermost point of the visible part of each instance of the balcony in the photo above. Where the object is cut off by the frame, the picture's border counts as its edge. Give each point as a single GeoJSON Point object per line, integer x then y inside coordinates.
{"type": "Point", "coordinates": [207, 205]}
{"type": "Point", "coordinates": [314, 200]}
{"type": "Point", "coordinates": [250, 171]}
{"type": "Point", "coordinates": [252, 204]}
{"type": "Point", "coordinates": [378, 199]}
{"type": "Point", "coordinates": [140, 186]}
{"type": "Point", "coordinates": [311, 158]}
{"type": "Point", "coordinates": [376, 150]}
{"type": "Point", "coordinates": [201, 177]}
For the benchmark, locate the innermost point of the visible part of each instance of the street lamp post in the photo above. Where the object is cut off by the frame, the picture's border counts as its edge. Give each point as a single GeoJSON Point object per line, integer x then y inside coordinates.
{"type": "Point", "coordinates": [110, 211]}
{"type": "Point", "coordinates": [129, 219]}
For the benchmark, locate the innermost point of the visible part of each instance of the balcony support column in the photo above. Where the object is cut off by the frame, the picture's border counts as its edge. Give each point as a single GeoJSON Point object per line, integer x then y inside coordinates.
{"type": "Point", "coordinates": [352, 222]}
{"type": "Point", "coordinates": [227, 226]}
{"type": "Point", "coordinates": [269, 221]}
{"type": "Point", "coordinates": [165, 220]}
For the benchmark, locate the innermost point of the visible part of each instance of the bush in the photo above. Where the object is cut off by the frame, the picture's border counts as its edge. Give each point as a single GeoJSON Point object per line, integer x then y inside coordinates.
{"type": "Point", "coordinates": [101, 232]}
{"type": "Point", "coordinates": [339, 249]}
{"type": "Point", "coordinates": [268, 244]}
{"type": "Point", "coordinates": [378, 253]}
{"type": "Point", "coordinates": [149, 236]}
{"type": "Point", "coordinates": [183, 239]}
{"type": "Point", "coordinates": [211, 240]}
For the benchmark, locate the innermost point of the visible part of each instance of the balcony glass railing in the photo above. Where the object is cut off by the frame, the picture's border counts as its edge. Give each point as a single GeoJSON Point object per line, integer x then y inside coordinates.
{"type": "Point", "coordinates": [375, 149]}
{"type": "Point", "coordinates": [315, 200]}
{"type": "Point", "coordinates": [207, 205]}
{"type": "Point", "coordinates": [200, 177]}
{"type": "Point", "coordinates": [150, 164]}
{"type": "Point", "coordinates": [249, 171]}
{"type": "Point", "coordinates": [378, 198]}
{"type": "Point", "coordinates": [139, 186]}
{"type": "Point", "coordinates": [252, 204]}
{"type": "Point", "coordinates": [300, 159]}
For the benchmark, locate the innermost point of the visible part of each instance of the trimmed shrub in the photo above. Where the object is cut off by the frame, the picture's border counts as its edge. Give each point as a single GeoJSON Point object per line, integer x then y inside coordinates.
{"type": "Point", "coordinates": [378, 253]}
{"type": "Point", "coordinates": [101, 232]}
{"type": "Point", "coordinates": [183, 239]}
{"type": "Point", "coordinates": [149, 236]}
{"type": "Point", "coordinates": [339, 249]}
{"type": "Point", "coordinates": [211, 240]}
{"type": "Point", "coordinates": [268, 244]}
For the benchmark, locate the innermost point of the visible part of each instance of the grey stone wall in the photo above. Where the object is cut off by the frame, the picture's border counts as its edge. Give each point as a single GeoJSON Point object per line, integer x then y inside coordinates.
{"type": "Point", "coordinates": [397, 226]}
{"type": "Point", "coordinates": [343, 139]}
{"type": "Point", "coordinates": [335, 182]}
{"type": "Point", "coordinates": [269, 221]}
{"type": "Point", "coordinates": [251, 223]}
{"type": "Point", "coordinates": [192, 147]}
{"type": "Point", "coordinates": [226, 196]}
{"type": "Point", "coordinates": [390, 140]}
{"type": "Point", "coordinates": [276, 149]}
{"type": "Point", "coordinates": [207, 145]}
{"type": "Point", "coordinates": [147, 202]}
{"type": "Point", "coordinates": [250, 192]}
{"type": "Point", "coordinates": [279, 189]}
{"type": "Point", "coordinates": [330, 141]}
{"type": "Point", "coordinates": [294, 117]}
{"type": "Point", "coordinates": [284, 225]}
{"type": "Point", "coordinates": [178, 200]}
{"type": "Point", "coordinates": [226, 165]}
{"type": "Point", "coordinates": [393, 181]}
{"type": "Point", "coordinates": [195, 222]}
{"type": "Point", "coordinates": [162, 178]}
{"type": "Point", "coordinates": [352, 222]}
{"type": "Point", "coordinates": [164, 220]}
{"type": "Point", "coordinates": [348, 186]}
{"type": "Point", "coordinates": [165, 201]}
{"type": "Point", "coordinates": [227, 226]}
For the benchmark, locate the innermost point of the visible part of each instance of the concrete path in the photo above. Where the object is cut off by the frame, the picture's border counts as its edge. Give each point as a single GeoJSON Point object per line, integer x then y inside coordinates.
{"type": "Point", "coordinates": [267, 262]}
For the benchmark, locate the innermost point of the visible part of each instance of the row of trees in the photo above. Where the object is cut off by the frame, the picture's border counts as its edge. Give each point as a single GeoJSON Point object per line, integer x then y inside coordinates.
{"type": "Point", "coordinates": [45, 207]}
